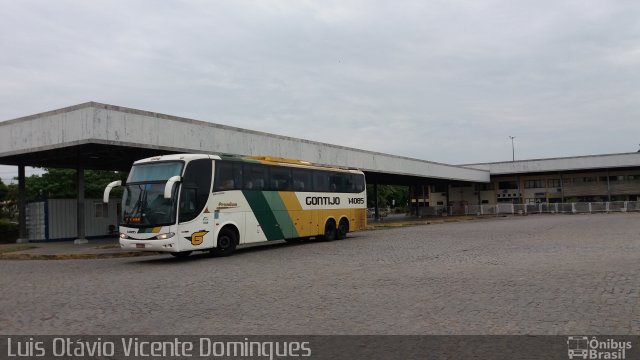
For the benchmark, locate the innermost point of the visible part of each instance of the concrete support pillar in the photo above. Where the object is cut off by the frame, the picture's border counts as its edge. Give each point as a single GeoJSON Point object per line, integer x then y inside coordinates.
{"type": "Point", "coordinates": [22, 206]}
{"type": "Point", "coordinates": [561, 189]}
{"type": "Point", "coordinates": [412, 209]}
{"type": "Point", "coordinates": [81, 239]}
{"type": "Point", "coordinates": [375, 201]}
{"type": "Point", "coordinates": [608, 187]}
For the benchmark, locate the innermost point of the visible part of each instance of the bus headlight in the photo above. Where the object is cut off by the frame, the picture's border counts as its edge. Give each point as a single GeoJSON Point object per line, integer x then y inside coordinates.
{"type": "Point", "coordinates": [163, 236]}
{"type": "Point", "coordinates": [124, 236]}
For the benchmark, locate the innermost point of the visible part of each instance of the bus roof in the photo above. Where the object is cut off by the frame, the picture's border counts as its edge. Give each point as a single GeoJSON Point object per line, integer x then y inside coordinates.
{"type": "Point", "coordinates": [271, 160]}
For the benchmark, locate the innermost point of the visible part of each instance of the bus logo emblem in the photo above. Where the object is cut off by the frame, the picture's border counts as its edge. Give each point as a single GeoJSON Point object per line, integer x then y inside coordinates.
{"type": "Point", "coordinates": [197, 237]}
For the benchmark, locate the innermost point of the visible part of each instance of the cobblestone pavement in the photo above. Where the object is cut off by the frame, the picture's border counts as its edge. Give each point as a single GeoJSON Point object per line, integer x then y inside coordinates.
{"type": "Point", "coordinates": [570, 274]}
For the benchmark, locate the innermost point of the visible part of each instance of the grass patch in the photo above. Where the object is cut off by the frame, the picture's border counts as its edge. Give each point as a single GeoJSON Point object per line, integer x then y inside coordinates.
{"type": "Point", "coordinates": [7, 248]}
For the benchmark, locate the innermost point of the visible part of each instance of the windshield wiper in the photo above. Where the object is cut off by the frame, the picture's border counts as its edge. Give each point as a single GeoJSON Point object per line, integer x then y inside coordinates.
{"type": "Point", "coordinates": [139, 206]}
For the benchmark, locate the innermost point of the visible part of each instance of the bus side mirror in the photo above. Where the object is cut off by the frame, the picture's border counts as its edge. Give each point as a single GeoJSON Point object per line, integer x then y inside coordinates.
{"type": "Point", "coordinates": [107, 190]}
{"type": "Point", "coordinates": [169, 186]}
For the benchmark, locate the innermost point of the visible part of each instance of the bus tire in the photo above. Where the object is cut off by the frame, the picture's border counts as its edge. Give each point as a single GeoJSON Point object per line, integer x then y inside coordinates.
{"type": "Point", "coordinates": [227, 241]}
{"type": "Point", "coordinates": [329, 231]}
{"type": "Point", "coordinates": [181, 254]}
{"type": "Point", "coordinates": [343, 229]}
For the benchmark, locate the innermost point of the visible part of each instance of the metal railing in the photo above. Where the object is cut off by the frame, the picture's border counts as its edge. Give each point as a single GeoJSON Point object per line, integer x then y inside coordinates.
{"type": "Point", "coordinates": [522, 209]}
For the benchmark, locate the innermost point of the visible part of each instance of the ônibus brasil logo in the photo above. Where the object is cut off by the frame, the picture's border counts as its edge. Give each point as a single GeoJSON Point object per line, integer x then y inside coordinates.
{"type": "Point", "coordinates": [581, 347]}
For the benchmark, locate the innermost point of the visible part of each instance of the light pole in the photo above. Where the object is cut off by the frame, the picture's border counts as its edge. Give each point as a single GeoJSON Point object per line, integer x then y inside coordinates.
{"type": "Point", "coordinates": [513, 159]}
{"type": "Point", "coordinates": [513, 151]}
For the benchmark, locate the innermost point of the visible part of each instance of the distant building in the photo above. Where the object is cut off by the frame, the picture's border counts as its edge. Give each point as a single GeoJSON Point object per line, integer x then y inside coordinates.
{"type": "Point", "coordinates": [596, 178]}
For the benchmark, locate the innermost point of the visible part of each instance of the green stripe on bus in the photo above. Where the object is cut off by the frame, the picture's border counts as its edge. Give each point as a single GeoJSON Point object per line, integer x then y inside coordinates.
{"type": "Point", "coordinates": [264, 214]}
{"type": "Point", "coordinates": [238, 158]}
{"type": "Point", "coordinates": [281, 214]}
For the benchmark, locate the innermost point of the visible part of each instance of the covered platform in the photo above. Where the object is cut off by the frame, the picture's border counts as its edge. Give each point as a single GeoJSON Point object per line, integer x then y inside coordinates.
{"type": "Point", "coordinates": [106, 137]}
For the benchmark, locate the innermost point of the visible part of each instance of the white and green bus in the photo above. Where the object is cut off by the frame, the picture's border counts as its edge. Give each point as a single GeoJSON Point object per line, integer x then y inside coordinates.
{"type": "Point", "coordinates": [193, 202]}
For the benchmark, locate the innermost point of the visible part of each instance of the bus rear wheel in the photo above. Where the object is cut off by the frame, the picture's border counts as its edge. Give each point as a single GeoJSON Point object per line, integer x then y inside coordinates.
{"type": "Point", "coordinates": [343, 229]}
{"type": "Point", "coordinates": [227, 241]}
{"type": "Point", "coordinates": [329, 231]}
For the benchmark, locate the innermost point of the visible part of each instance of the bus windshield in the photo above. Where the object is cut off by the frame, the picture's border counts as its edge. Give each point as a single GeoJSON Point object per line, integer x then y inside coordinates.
{"type": "Point", "coordinates": [143, 202]}
{"type": "Point", "coordinates": [160, 171]}
{"type": "Point", "coordinates": [145, 205]}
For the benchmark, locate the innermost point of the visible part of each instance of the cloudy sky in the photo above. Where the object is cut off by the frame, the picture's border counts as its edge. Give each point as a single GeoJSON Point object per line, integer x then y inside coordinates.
{"type": "Point", "coordinates": [446, 81]}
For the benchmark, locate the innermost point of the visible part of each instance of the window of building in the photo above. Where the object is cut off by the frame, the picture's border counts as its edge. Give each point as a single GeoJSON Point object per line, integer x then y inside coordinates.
{"type": "Point", "coordinates": [440, 188]}
{"type": "Point", "coordinates": [484, 187]}
{"type": "Point", "coordinates": [533, 184]}
{"type": "Point", "coordinates": [507, 185]}
{"type": "Point", "coordinates": [553, 183]}
{"type": "Point", "coordinates": [585, 179]}
{"type": "Point", "coordinates": [102, 210]}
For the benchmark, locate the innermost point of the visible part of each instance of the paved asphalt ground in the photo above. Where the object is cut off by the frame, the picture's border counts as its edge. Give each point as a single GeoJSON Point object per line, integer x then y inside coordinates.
{"type": "Point", "coordinates": [563, 274]}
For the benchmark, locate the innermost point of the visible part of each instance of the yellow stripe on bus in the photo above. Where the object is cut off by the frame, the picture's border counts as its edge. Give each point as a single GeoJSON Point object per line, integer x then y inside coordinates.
{"type": "Point", "coordinates": [302, 219]}
{"type": "Point", "coordinates": [290, 200]}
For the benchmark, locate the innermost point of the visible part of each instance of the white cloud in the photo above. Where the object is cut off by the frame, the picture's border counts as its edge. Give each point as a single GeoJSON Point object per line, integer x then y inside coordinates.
{"type": "Point", "coordinates": [440, 80]}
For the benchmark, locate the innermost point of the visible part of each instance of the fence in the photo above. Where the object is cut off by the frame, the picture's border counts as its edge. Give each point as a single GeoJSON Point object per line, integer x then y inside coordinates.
{"type": "Point", "coordinates": [522, 209]}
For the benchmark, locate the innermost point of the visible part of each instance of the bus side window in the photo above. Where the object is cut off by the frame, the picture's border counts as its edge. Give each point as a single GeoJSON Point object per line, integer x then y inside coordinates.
{"type": "Point", "coordinates": [358, 183]}
{"type": "Point", "coordinates": [254, 177]}
{"type": "Point", "coordinates": [301, 180]}
{"type": "Point", "coordinates": [187, 202]}
{"type": "Point", "coordinates": [224, 178]}
{"type": "Point", "coordinates": [320, 181]}
{"type": "Point", "coordinates": [349, 183]}
{"type": "Point", "coordinates": [337, 182]}
{"type": "Point", "coordinates": [280, 178]}
{"type": "Point", "coordinates": [196, 187]}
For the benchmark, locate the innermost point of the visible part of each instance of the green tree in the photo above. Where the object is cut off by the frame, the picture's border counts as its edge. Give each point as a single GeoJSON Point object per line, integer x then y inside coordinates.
{"type": "Point", "coordinates": [386, 195]}
{"type": "Point", "coordinates": [61, 184]}
{"type": "Point", "coordinates": [4, 191]}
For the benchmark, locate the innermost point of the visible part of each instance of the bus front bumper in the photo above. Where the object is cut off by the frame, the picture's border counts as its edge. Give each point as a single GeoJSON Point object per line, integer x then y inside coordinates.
{"type": "Point", "coordinates": [167, 245]}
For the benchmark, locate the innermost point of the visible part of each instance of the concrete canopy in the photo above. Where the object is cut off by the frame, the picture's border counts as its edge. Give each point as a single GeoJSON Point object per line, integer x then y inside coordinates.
{"type": "Point", "coordinates": [562, 164]}
{"type": "Point", "coordinates": [107, 137]}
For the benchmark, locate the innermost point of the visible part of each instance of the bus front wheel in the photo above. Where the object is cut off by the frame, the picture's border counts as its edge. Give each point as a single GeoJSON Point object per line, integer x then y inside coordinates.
{"type": "Point", "coordinates": [227, 241]}
{"type": "Point", "coordinates": [329, 231]}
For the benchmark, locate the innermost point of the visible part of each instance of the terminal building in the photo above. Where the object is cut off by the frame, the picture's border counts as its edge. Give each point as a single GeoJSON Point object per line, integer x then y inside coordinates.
{"type": "Point", "coordinates": [610, 178]}
{"type": "Point", "coordinates": [106, 137]}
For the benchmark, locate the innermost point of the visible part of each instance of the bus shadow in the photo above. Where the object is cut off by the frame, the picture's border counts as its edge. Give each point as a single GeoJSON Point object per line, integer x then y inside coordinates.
{"type": "Point", "coordinates": [243, 249]}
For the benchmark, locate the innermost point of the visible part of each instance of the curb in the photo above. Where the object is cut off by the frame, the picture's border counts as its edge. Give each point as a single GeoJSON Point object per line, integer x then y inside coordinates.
{"type": "Point", "coordinates": [125, 254]}
{"type": "Point", "coordinates": [434, 221]}
{"type": "Point", "coordinates": [14, 256]}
